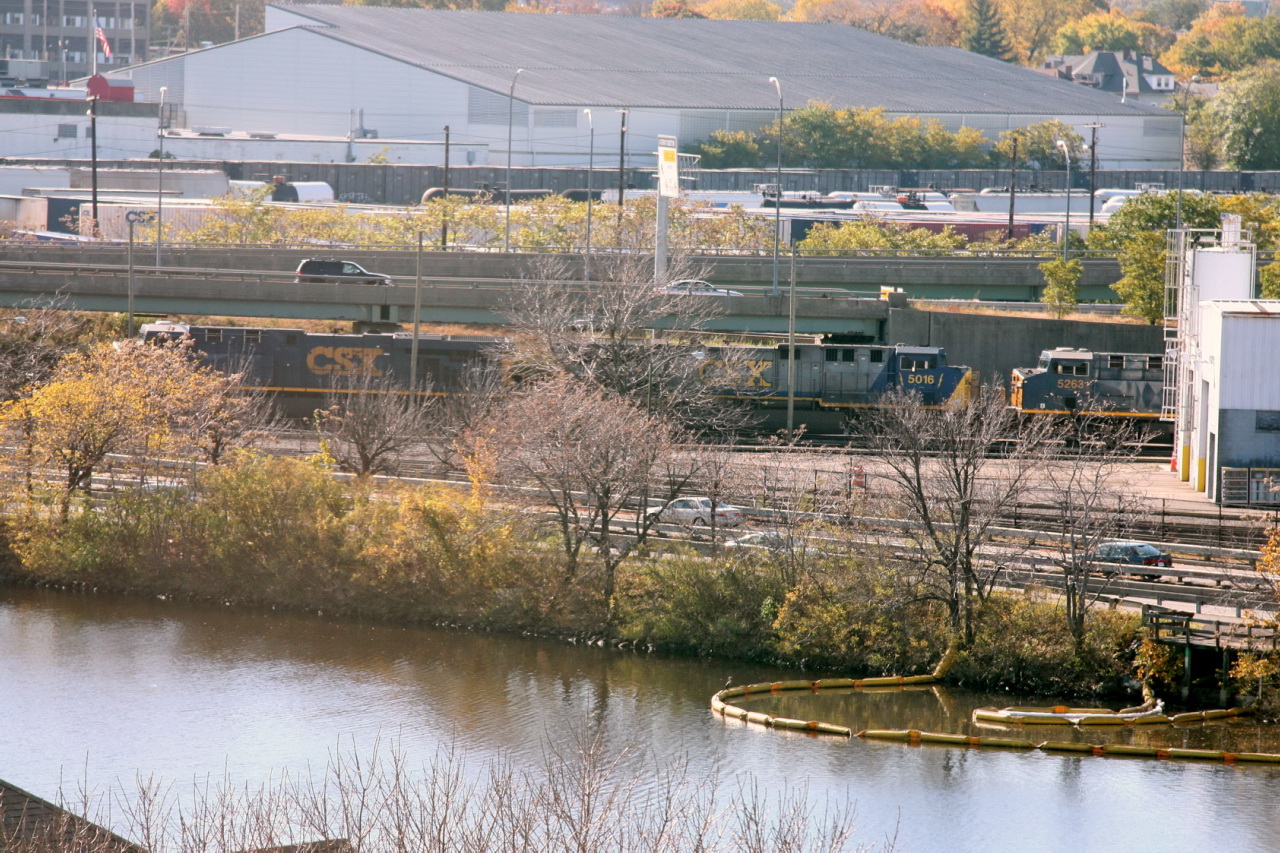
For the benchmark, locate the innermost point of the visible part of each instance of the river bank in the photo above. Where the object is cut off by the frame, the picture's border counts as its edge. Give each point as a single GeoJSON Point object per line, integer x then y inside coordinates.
{"type": "Point", "coordinates": [279, 534]}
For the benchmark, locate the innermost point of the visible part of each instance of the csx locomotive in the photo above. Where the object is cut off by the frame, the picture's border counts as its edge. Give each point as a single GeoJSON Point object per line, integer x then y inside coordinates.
{"type": "Point", "coordinates": [830, 379]}
{"type": "Point", "coordinates": [1083, 382]}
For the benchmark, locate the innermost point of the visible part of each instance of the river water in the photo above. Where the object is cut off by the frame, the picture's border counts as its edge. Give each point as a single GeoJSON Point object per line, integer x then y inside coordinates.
{"type": "Point", "coordinates": [95, 691]}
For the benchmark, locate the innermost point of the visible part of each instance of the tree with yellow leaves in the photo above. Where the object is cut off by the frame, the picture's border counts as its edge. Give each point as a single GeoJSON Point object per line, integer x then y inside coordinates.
{"type": "Point", "coordinates": [125, 397]}
{"type": "Point", "coordinates": [1032, 24]}
{"type": "Point", "coordinates": [1111, 30]}
{"type": "Point", "coordinates": [741, 10]}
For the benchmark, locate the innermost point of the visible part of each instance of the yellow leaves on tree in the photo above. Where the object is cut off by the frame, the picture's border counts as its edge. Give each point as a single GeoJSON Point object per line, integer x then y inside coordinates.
{"type": "Point", "coordinates": [116, 398]}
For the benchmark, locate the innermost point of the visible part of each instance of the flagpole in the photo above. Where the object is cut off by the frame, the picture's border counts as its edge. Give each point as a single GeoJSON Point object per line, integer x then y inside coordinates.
{"type": "Point", "coordinates": [93, 40]}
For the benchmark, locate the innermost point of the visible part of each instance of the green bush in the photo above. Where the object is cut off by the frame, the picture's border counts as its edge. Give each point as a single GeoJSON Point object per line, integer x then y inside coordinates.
{"type": "Point", "coordinates": [716, 607]}
{"type": "Point", "coordinates": [1023, 644]}
{"type": "Point", "coordinates": [855, 626]}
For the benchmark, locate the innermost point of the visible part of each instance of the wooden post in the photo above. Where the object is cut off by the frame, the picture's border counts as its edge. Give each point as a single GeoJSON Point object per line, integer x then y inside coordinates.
{"type": "Point", "coordinates": [1186, 665]}
{"type": "Point", "coordinates": [1226, 675]}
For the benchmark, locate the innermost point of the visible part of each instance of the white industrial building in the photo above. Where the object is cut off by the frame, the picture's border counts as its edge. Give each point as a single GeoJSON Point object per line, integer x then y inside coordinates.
{"type": "Point", "coordinates": [490, 77]}
{"type": "Point", "coordinates": [1224, 401]}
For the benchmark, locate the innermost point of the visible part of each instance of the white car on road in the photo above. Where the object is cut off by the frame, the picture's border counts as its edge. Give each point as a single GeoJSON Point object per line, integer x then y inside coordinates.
{"type": "Point", "coordinates": [696, 512]}
{"type": "Point", "coordinates": [694, 287]}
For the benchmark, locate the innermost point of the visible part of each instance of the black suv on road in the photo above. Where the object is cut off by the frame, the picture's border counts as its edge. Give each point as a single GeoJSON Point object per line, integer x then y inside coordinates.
{"type": "Point", "coordinates": [324, 270]}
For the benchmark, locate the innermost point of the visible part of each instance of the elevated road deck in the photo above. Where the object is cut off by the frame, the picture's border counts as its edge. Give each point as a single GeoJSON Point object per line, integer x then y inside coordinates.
{"type": "Point", "coordinates": [1003, 278]}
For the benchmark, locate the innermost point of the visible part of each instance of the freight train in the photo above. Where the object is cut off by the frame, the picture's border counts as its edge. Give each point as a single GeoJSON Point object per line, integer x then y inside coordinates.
{"type": "Point", "coordinates": [1098, 384]}
{"type": "Point", "coordinates": [831, 379]}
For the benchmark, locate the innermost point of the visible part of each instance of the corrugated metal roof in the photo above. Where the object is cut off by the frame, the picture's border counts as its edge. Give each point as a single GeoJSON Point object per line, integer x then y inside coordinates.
{"type": "Point", "coordinates": [613, 60]}
{"type": "Point", "coordinates": [1255, 307]}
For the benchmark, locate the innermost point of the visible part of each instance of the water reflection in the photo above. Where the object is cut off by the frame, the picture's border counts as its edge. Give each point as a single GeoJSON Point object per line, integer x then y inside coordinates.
{"type": "Point", "coordinates": [99, 689]}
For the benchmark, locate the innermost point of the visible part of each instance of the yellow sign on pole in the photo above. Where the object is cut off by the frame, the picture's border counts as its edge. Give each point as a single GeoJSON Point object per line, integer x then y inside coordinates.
{"type": "Point", "coordinates": [668, 168]}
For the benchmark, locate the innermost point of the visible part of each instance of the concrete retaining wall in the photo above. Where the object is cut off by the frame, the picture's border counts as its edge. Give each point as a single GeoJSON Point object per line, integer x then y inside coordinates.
{"type": "Point", "coordinates": [994, 345]}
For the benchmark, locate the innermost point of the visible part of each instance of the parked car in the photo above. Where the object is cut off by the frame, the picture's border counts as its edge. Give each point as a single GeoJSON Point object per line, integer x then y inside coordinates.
{"type": "Point", "coordinates": [1109, 554]}
{"type": "Point", "coordinates": [326, 270]}
{"type": "Point", "coordinates": [694, 287]}
{"type": "Point", "coordinates": [697, 512]}
{"type": "Point", "coordinates": [769, 540]}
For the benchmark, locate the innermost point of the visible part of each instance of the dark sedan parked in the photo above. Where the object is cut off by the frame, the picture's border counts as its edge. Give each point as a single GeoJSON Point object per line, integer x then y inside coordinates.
{"type": "Point", "coordinates": [1132, 554]}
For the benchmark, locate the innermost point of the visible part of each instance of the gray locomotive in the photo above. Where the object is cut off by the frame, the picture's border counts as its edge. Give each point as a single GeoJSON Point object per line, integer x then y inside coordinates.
{"type": "Point", "coordinates": [1083, 382]}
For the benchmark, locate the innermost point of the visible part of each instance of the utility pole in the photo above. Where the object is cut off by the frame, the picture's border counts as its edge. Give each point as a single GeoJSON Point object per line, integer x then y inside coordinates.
{"type": "Point", "coordinates": [93, 149]}
{"type": "Point", "coordinates": [1013, 184]}
{"type": "Point", "coordinates": [1093, 168]}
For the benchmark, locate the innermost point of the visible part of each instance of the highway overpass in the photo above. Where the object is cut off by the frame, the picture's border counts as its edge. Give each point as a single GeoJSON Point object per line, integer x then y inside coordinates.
{"type": "Point", "coordinates": [473, 287]}
{"type": "Point", "coordinates": [258, 283]}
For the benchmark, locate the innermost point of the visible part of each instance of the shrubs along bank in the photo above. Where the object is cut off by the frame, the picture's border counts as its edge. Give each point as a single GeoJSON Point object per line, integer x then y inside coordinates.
{"type": "Point", "coordinates": [281, 532]}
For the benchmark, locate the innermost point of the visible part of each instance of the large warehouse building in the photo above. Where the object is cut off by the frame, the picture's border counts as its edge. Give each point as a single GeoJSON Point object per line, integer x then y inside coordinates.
{"type": "Point", "coordinates": [1225, 408]}
{"type": "Point", "coordinates": [491, 77]}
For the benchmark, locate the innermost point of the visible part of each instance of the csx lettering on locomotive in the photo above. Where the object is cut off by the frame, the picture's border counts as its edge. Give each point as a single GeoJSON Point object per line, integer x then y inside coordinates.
{"type": "Point", "coordinates": [344, 361]}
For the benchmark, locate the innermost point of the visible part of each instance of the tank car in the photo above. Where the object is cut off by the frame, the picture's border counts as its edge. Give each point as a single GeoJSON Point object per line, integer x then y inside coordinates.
{"type": "Point", "coordinates": [1083, 382]}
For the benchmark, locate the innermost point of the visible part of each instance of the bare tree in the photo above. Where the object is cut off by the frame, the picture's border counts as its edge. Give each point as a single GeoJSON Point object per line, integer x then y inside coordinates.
{"type": "Point", "coordinates": [604, 333]}
{"type": "Point", "coordinates": [33, 339]}
{"type": "Point", "coordinates": [587, 453]}
{"type": "Point", "coordinates": [945, 479]}
{"type": "Point", "coordinates": [582, 796]}
{"type": "Point", "coordinates": [224, 415]}
{"type": "Point", "coordinates": [1096, 504]}
{"type": "Point", "coordinates": [370, 422]}
{"type": "Point", "coordinates": [718, 475]}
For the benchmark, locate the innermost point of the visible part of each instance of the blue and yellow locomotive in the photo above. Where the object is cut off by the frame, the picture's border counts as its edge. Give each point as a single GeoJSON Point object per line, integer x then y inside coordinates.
{"type": "Point", "coordinates": [836, 379]}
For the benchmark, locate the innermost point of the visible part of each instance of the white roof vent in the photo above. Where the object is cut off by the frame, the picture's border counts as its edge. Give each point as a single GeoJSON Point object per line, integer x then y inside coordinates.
{"type": "Point", "coordinates": [211, 131]}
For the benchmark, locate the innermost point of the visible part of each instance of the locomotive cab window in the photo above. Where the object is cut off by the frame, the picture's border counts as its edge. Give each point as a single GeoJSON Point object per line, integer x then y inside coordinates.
{"type": "Point", "coordinates": [1071, 368]}
{"type": "Point", "coordinates": [918, 362]}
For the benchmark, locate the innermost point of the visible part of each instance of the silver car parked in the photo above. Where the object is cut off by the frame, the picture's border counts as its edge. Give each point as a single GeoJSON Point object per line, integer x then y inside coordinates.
{"type": "Point", "coordinates": [693, 512]}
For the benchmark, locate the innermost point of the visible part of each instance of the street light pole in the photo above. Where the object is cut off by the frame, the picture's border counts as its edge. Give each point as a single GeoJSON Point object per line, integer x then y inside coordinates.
{"type": "Point", "coordinates": [129, 301]}
{"type": "Point", "coordinates": [591, 165]}
{"type": "Point", "coordinates": [1066, 227]}
{"type": "Point", "coordinates": [777, 190]}
{"type": "Point", "coordinates": [164, 90]}
{"type": "Point", "coordinates": [444, 216]}
{"type": "Point", "coordinates": [417, 319]}
{"type": "Point", "coordinates": [511, 103]}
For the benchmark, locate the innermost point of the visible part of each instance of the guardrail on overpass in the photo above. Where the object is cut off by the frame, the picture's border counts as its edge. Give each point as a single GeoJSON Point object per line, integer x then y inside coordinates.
{"type": "Point", "coordinates": [251, 293]}
{"type": "Point", "coordinates": [956, 276]}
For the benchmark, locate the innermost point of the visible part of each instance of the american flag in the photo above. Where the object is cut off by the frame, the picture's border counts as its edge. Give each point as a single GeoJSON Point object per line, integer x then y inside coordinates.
{"type": "Point", "coordinates": [102, 37]}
